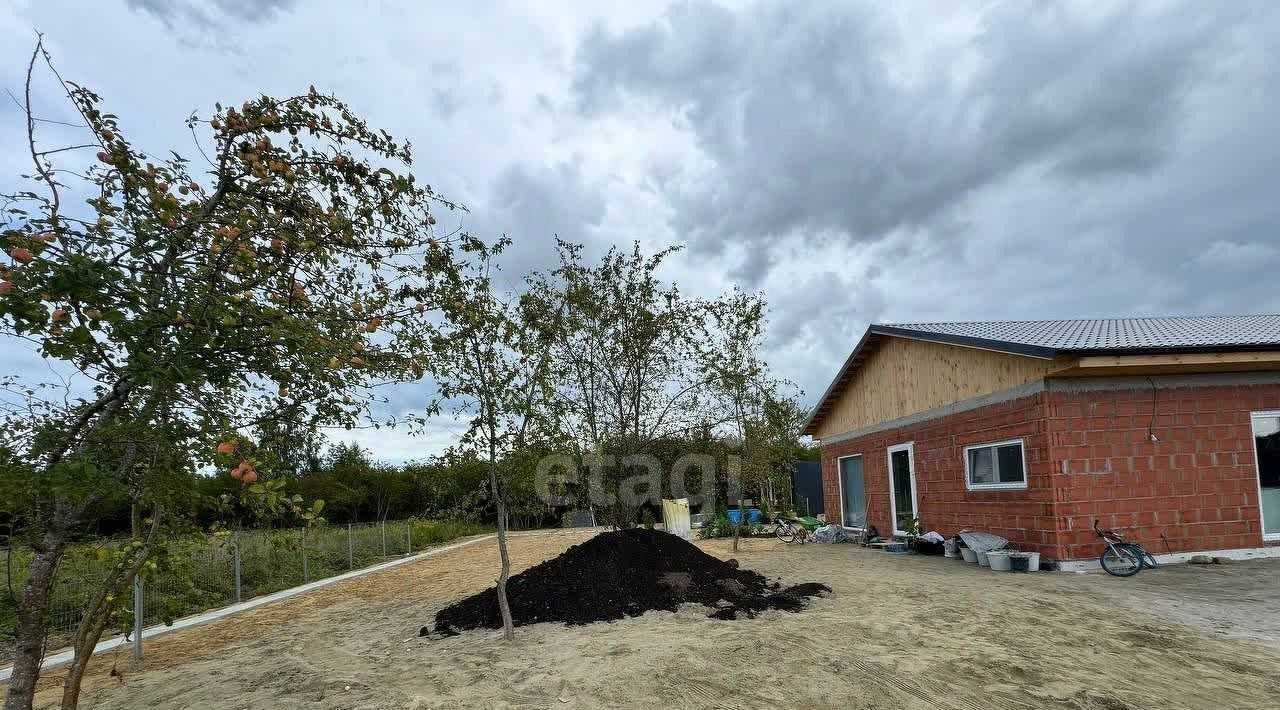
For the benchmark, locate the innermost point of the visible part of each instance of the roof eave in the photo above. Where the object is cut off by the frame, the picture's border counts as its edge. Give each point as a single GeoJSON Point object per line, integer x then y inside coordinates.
{"type": "Point", "coordinates": [1002, 346]}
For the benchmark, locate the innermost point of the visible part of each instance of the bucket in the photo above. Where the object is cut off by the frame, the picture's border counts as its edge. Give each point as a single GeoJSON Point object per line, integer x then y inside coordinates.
{"type": "Point", "coordinates": [968, 554]}
{"type": "Point", "coordinates": [1033, 561]}
{"type": "Point", "coordinates": [983, 561]}
{"type": "Point", "coordinates": [950, 549]}
{"type": "Point", "coordinates": [1018, 562]}
{"type": "Point", "coordinates": [999, 560]}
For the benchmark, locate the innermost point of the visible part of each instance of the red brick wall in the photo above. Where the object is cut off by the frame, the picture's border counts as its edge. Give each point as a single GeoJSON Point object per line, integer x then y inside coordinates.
{"type": "Point", "coordinates": [1194, 489]}
{"type": "Point", "coordinates": [944, 503]}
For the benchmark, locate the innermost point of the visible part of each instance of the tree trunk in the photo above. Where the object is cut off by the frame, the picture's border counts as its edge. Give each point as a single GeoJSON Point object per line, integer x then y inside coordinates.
{"type": "Point", "coordinates": [508, 628]}
{"type": "Point", "coordinates": [98, 612]}
{"type": "Point", "coordinates": [31, 628]}
{"type": "Point", "coordinates": [90, 633]}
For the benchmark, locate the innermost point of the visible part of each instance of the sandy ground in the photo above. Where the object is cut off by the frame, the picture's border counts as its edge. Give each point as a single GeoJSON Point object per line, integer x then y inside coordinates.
{"type": "Point", "coordinates": [900, 632]}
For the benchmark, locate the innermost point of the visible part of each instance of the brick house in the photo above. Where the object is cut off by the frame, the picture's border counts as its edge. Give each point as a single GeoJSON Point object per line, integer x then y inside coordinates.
{"type": "Point", "coordinates": [1168, 428]}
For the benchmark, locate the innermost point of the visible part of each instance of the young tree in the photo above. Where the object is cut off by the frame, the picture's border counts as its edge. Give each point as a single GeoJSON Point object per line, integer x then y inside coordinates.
{"type": "Point", "coordinates": [278, 280]}
{"type": "Point", "coordinates": [754, 401]}
{"type": "Point", "coordinates": [491, 361]}
{"type": "Point", "coordinates": [628, 364]}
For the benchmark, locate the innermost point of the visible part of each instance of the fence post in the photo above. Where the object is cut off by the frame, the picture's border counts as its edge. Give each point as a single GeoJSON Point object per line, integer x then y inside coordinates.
{"type": "Point", "coordinates": [351, 555]}
{"type": "Point", "coordinates": [384, 537]}
{"type": "Point", "coordinates": [408, 537]}
{"type": "Point", "coordinates": [305, 577]}
{"type": "Point", "coordinates": [235, 549]}
{"type": "Point", "coordinates": [137, 621]}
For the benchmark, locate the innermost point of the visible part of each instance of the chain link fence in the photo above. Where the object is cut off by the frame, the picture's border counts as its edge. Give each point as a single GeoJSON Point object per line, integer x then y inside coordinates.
{"type": "Point", "coordinates": [206, 572]}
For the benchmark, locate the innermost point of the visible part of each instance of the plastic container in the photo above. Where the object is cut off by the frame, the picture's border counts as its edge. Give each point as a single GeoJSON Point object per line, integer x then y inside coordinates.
{"type": "Point", "coordinates": [968, 554]}
{"type": "Point", "coordinates": [999, 560]}
{"type": "Point", "coordinates": [898, 548]}
{"type": "Point", "coordinates": [753, 515]}
{"type": "Point", "coordinates": [983, 561]}
{"type": "Point", "coordinates": [950, 549]}
{"type": "Point", "coordinates": [1018, 562]}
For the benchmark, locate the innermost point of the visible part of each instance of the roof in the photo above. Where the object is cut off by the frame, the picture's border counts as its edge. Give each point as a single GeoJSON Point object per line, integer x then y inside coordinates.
{"type": "Point", "coordinates": [1051, 338]}
{"type": "Point", "coordinates": [1048, 338]}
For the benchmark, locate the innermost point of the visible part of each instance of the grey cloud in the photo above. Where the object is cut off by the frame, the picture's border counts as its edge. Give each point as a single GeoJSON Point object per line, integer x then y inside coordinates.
{"type": "Point", "coordinates": [1223, 254]}
{"type": "Point", "coordinates": [548, 200]}
{"type": "Point", "coordinates": [210, 14]}
{"type": "Point", "coordinates": [811, 128]}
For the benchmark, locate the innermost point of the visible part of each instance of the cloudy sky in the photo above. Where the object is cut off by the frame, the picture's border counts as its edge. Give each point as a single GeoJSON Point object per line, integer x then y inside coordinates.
{"type": "Point", "coordinates": [856, 162]}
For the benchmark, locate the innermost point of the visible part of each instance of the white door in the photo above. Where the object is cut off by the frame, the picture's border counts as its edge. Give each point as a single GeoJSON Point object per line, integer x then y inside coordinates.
{"type": "Point", "coordinates": [902, 484]}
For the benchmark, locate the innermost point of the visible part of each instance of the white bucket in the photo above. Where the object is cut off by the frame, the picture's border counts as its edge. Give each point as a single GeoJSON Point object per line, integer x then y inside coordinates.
{"type": "Point", "coordinates": [1033, 561]}
{"type": "Point", "coordinates": [983, 561]}
{"type": "Point", "coordinates": [950, 549]}
{"type": "Point", "coordinates": [968, 554]}
{"type": "Point", "coordinates": [999, 560]}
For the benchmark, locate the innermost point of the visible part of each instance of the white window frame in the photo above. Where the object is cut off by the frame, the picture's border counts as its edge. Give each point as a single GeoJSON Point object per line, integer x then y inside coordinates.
{"type": "Point", "coordinates": [995, 463]}
{"type": "Point", "coordinates": [910, 448]}
{"type": "Point", "coordinates": [840, 483]}
{"type": "Point", "coordinates": [1257, 471]}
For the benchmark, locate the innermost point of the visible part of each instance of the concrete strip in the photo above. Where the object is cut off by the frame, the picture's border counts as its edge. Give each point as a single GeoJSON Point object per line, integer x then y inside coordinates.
{"type": "Point", "coordinates": [1245, 553]}
{"type": "Point", "coordinates": [1139, 382]}
{"type": "Point", "coordinates": [63, 657]}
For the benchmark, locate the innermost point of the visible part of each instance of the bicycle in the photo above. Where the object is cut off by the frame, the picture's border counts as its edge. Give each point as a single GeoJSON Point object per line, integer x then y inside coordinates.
{"type": "Point", "coordinates": [1122, 558]}
{"type": "Point", "coordinates": [788, 532]}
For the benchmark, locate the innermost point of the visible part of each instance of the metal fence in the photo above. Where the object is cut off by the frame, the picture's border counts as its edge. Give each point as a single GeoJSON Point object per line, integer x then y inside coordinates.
{"type": "Point", "coordinates": [206, 572]}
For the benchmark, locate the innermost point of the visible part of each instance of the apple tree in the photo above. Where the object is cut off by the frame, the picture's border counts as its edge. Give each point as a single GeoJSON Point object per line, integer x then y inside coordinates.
{"type": "Point", "coordinates": [280, 269]}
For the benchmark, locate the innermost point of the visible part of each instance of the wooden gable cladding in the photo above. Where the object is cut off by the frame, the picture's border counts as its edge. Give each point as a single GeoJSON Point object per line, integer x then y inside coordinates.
{"type": "Point", "coordinates": [902, 376]}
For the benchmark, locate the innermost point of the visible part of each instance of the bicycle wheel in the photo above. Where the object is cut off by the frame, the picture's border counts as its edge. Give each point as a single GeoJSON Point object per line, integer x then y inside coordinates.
{"type": "Point", "coordinates": [1148, 560]}
{"type": "Point", "coordinates": [785, 533]}
{"type": "Point", "coordinates": [1120, 560]}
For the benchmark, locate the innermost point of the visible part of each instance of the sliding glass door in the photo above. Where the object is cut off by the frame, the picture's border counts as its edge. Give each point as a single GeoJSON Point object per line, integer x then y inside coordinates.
{"type": "Point", "coordinates": [1266, 441]}
{"type": "Point", "coordinates": [853, 498]}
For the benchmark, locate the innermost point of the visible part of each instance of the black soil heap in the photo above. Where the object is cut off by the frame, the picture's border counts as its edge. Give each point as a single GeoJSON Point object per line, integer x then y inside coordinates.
{"type": "Point", "coordinates": [625, 573]}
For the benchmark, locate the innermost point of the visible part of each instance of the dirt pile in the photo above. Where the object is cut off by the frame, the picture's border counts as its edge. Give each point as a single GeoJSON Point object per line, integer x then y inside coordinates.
{"type": "Point", "coordinates": [625, 573]}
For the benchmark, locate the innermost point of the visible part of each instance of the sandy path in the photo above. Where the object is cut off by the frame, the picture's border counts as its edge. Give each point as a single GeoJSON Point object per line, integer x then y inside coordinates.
{"type": "Point", "coordinates": [900, 632]}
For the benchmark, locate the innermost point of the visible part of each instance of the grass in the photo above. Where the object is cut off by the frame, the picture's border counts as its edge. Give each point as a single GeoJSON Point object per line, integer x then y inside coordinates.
{"type": "Point", "coordinates": [198, 572]}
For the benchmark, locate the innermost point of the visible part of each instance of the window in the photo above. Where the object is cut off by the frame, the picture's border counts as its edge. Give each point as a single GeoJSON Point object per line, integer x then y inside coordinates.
{"type": "Point", "coordinates": [995, 466]}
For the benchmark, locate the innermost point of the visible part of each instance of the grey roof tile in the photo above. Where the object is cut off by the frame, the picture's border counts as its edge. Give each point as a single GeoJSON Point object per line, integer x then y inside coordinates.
{"type": "Point", "coordinates": [1113, 334]}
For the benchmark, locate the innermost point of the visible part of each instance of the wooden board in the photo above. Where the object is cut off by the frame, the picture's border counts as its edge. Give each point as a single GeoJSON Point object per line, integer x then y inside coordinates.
{"type": "Point", "coordinates": [903, 376]}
